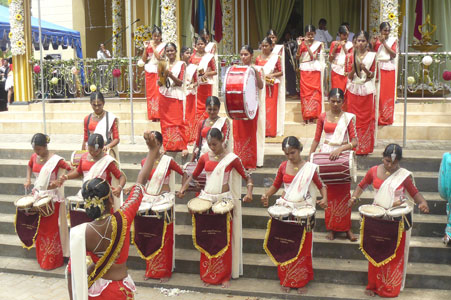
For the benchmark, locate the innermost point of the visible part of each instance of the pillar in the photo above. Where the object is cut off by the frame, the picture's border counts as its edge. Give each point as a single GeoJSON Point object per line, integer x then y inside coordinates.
{"type": "Point", "coordinates": [169, 20]}
{"type": "Point", "coordinates": [118, 25]}
{"type": "Point", "coordinates": [383, 11]}
{"type": "Point", "coordinates": [228, 25]}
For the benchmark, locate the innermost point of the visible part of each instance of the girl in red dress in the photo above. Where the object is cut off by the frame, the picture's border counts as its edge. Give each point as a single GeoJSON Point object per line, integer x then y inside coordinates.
{"type": "Point", "coordinates": [153, 53]}
{"type": "Point", "coordinates": [49, 248]}
{"type": "Point", "coordinates": [387, 62]}
{"type": "Point", "coordinates": [206, 70]}
{"type": "Point", "coordinates": [249, 135]}
{"type": "Point", "coordinates": [337, 58]}
{"type": "Point", "coordinates": [309, 54]}
{"type": "Point", "coordinates": [299, 272]}
{"type": "Point", "coordinates": [172, 104]}
{"type": "Point", "coordinates": [360, 93]}
{"type": "Point", "coordinates": [388, 280]}
{"type": "Point", "coordinates": [338, 214]}
{"type": "Point", "coordinates": [191, 93]}
{"type": "Point", "coordinates": [272, 66]}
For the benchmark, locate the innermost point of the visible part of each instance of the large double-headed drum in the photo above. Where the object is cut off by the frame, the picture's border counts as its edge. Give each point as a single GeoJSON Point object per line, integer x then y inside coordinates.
{"type": "Point", "coordinates": [339, 171]}
{"type": "Point", "coordinates": [240, 90]}
{"type": "Point", "coordinates": [196, 185]}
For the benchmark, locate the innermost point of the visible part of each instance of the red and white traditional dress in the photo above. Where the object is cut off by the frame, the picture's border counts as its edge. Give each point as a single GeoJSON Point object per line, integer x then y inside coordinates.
{"type": "Point", "coordinates": [162, 264]}
{"type": "Point", "coordinates": [222, 123]}
{"type": "Point", "coordinates": [190, 106]}
{"type": "Point", "coordinates": [172, 112]}
{"type": "Point", "coordinates": [389, 279]}
{"type": "Point", "coordinates": [299, 272]}
{"type": "Point", "coordinates": [52, 239]}
{"type": "Point", "coordinates": [91, 285]}
{"type": "Point", "coordinates": [338, 76]}
{"type": "Point", "coordinates": [387, 74]}
{"type": "Point", "coordinates": [107, 127]}
{"type": "Point", "coordinates": [274, 117]}
{"type": "Point", "coordinates": [249, 135]}
{"type": "Point", "coordinates": [229, 264]}
{"type": "Point", "coordinates": [205, 88]}
{"type": "Point", "coordinates": [311, 80]}
{"type": "Point", "coordinates": [153, 111]}
{"type": "Point", "coordinates": [360, 100]}
{"type": "Point", "coordinates": [338, 214]}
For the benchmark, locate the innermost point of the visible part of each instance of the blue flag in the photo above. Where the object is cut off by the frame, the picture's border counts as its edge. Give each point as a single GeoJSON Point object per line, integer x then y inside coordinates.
{"type": "Point", "coordinates": [201, 16]}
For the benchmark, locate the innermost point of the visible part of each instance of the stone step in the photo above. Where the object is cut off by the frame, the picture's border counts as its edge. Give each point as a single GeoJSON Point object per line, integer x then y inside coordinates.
{"type": "Point", "coordinates": [255, 288]}
{"type": "Point", "coordinates": [326, 270]}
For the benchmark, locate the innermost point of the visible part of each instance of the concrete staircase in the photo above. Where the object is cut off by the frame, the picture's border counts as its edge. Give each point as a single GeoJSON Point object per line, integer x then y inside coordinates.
{"type": "Point", "coordinates": [339, 267]}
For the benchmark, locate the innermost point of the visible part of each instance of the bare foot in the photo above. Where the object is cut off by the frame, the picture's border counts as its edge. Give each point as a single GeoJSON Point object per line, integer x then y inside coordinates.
{"type": "Point", "coordinates": [285, 289]}
{"type": "Point", "coordinates": [206, 284]}
{"type": "Point", "coordinates": [302, 290]}
{"type": "Point", "coordinates": [145, 277]}
{"type": "Point", "coordinates": [330, 236]}
{"type": "Point", "coordinates": [351, 236]}
{"type": "Point", "coordinates": [164, 279]}
{"type": "Point", "coordinates": [370, 293]}
{"type": "Point", "coordinates": [226, 284]}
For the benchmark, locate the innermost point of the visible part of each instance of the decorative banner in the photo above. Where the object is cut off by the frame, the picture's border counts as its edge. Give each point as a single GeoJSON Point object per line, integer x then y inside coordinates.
{"type": "Point", "coordinates": [169, 20]}
{"type": "Point", "coordinates": [374, 17]}
{"type": "Point", "coordinates": [389, 13]}
{"type": "Point", "coordinates": [16, 21]}
{"type": "Point", "coordinates": [227, 25]}
{"type": "Point", "coordinates": [117, 27]}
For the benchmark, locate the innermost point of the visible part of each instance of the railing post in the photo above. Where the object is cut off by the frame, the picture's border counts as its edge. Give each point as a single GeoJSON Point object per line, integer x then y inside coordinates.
{"type": "Point", "coordinates": [406, 58]}
{"type": "Point", "coordinates": [130, 70]}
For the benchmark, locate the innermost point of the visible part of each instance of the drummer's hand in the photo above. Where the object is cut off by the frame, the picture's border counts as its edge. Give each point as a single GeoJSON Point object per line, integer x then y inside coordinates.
{"type": "Point", "coordinates": [423, 207]}
{"type": "Point", "coordinates": [62, 179]}
{"type": "Point", "coordinates": [265, 200]}
{"type": "Point", "coordinates": [335, 154]}
{"type": "Point", "coordinates": [106, 148]}
{"type": "Point", "coordinates": [322, 203]}
{"type": "Point", "coordinates": [53, 185]}
{"type": "Point", "coordinates": [247, 198]}
{"type": "Point", "coordinates": [180, 194]}
{"type": "Point", "coordinates": [351, 202]}
{"type": "Point", "coordinates": [116, 191]}
{"type": "Point", "coordinates": [151, 142]}
{"type": "Point", "coordinates": [397, 203]}
{"type": "Point", "coordinates": [27, 184]}
{"type": "Point", "coordinates": [127, 190]}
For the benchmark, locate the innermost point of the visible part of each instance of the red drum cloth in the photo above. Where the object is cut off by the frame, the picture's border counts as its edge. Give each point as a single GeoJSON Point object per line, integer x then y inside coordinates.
{"type": "Point", "coordinates": [310, 86]}
{"type": "Point", "coordinates": [217, 270]}
{"type": "Point", "coordinates": [172, 124]}
{"type": "Point", "coordinates": [148, 234]}
{"type": "Point", "coordinates": [245, 141]}
{"type": "Point", "coordinates": [386, 280]}
{"type": "Point", "coordinates": [116, 290]}
{"type": "Point", "coordinates": [152, 92]}
{"type": "Point", "coordinates": [364, 109]}
{"type": "Point", "coordinates": [203, 92]}
{"type": "Point", "coordinates": [338, 81]}
{"type": "Point", "coordinates": [172, 166]}
{"type": "Point", "coordinates": [387, 97]}
{"type": "Point", "coordinates": [284, 240]}
{"type": "Point", "coordinates": [338, 214]}
{"type": "Point", "coordinates": [91, 127]}
{"type": "Point", "coordinates": [78, 217]}
{"type": "Point", "coordinates": [298, 273]}
{"type": "Point", "coordinates": [191, 125]}
{"type": "Point", "coordinates": [160, 266]}
{"type": "Point", "coordinates": [86, 164]}
{"type": "Point", "coordinates": [26, 227]}
{"type": "Point", "coordinates": [49, 251]}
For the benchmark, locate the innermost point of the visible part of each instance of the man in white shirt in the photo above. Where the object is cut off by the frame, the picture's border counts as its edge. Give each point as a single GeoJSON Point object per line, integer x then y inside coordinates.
{"type": "Point", "coordinates": [103, 53]}
{"type": "Point", "coordinates": [322, 34]}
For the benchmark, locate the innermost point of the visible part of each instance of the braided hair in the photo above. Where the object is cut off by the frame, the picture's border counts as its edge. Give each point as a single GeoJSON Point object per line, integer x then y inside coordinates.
{"type": "Point", "coordinates": [96, 194]}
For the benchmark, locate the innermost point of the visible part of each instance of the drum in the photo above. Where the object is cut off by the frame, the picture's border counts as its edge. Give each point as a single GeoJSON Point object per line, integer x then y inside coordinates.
{"type": "Point", "coordinates": [279, 212]}
{"type": "Point", "coordinates": [44, 206]}
{"type": "Point", "coordinates": [77, 213]}
{"type": "Point", "coordinates": [241, 95]}
{"type": "Point", "coordinates": [144, 209]}
{"type": "Point", "coordinates": [401, 213]}
{"type": "Point", "coordinates": [196, 184]}
{"type": "Point", "coordinates": [305, 216]}
{"type": "Point", "coordinates": [222, 207]}
{"type": "Point", "coordinates": [342, 170]}
{"type": "Point", "coordinates": [76, 203]}
{"type": "Point", "coordinates": [25, 204]}
{"type": "Point", "coordinates": [370, 210]}
{"type": "Point", "coordinates": [76, 157]}
{"type": "Point", "coordinates": [199, 206]}
{"type": "Point", "coordinates": [165, 210]}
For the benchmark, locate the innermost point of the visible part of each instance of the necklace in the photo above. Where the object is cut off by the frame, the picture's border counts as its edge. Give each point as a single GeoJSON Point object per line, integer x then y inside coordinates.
{"type": "Point", "coordinates": [102, 217]}
{"type": "Point", "coordinates": [213, 121]}
{"type": "Point", "coordinates": [218, 155]}
{"type": "Point", "coordinates": [41, 159]}
{"type": "Point", "coordinates": [99, 116]}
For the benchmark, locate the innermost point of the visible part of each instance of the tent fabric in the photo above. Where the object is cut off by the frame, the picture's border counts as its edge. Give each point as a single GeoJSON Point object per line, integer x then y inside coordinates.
{"type": "Point", "coordinates": [52, 34]}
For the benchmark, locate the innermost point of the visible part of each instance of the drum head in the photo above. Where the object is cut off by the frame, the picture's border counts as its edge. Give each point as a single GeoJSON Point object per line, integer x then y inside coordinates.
{"type": "Point", "coordinates": [26, 201]}
{"type": "Point", "coordinates": [353, 166]}
{"type": "Point", "coordinates": [399, 211]}
{"type": "Point", "coordinates": [250, 93]}
{"type": "Point", "coordinates": [304, 212]}
{"type": "Point", "coordinates": [222, 207]}
{"type": "Point", "coordinates": [279, 211]}
{"type": "Point", "coordinates": [144, 207]}
{"type": "Point", "coordinates": [42, 201]}
{"type": "Point", "coordinates": [162, 207]}
{"type": "Point", "coordinates": [199, 205]}
{"type": "Point", "coordinates": [370, 210]}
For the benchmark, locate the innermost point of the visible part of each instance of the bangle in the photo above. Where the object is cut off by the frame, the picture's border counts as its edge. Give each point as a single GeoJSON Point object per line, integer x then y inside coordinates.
{"type": "Point", "coordinates": [66, 177]}
{"type": "Point", "coordinates": [250, 184]}
{"type": "Point", "coordinates": [350, 144]}
{"type": "Point", "coordinates": [355, 198]}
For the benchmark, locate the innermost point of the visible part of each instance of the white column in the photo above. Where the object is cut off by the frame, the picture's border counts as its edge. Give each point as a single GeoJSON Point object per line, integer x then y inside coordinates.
{"type": "Point", "coordinates": [169, 20]}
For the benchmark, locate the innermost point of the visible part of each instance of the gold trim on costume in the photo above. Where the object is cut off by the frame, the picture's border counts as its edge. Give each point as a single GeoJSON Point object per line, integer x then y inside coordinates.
{"type": "Point", "coordinates": [368, 257]}
{"type": "Point", "coordinates": [202, 250]}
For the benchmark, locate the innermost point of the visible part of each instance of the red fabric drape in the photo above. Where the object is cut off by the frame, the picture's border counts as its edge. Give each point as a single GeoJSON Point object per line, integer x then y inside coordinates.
{"type": "Point", "coordinates": [115, 290]}
{"type": "Point", "coordinates": [310, 86]}
{"type": "Point", "coordinates": [298, 273]}
{"type": "Point", "coordinates": [172, 124]}
{"type": "Point", "coordinates": [152, 92]}
{"type": "Point", "coordinates": [245, 141]}
{"type": "Point", "coordinates": [387, 97]}
{"type": "Point", "coordinates": [338, 81]}
{"type": "Point", "coordinates": [271, 109]}
{"type": "Point", "coordinates": [161, 265]}
{"type": "Point", "coordinates": [364, 109]}
{"type": "Point", "coordinates": [338, 214]}
{"type": "Point", "coordinates": [190, 118]}
{"type": "Point", "coordinates": [203, 92]}
{"type": "Point", "coordinates": [49, 251]}
{"type": "Point", "coordinates": [386, 281]}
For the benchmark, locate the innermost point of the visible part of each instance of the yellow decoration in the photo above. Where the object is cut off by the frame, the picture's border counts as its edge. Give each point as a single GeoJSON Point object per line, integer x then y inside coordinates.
{"type": "Point", "coordinates": [19, 17]}
{"type": "Point", "coordinates": [392, 16]}
{"type": "Point", "coordinates": [426, 30]}
{"type": "Point", "coordinates": [19, 44]}
{"type": "Point", "coordinates": [93, 88]}
{"type": "Point", "coordinates": [10, 35]}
